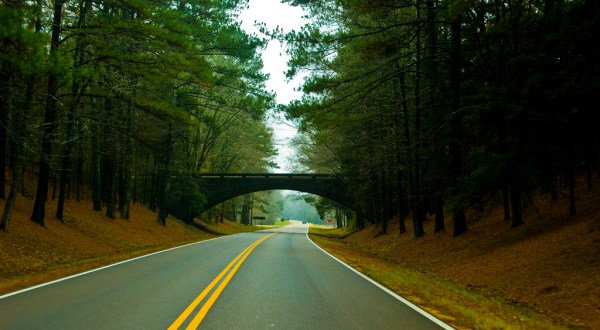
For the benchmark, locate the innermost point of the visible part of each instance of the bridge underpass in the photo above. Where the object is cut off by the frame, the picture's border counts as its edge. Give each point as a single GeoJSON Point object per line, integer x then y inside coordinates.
{"type": "Point", "coordinates": [220, 187]}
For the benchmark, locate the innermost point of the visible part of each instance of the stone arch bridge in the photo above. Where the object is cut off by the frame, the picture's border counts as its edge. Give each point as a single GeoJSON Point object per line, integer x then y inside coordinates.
{"type": "Point", "coordinates": [220, 187]}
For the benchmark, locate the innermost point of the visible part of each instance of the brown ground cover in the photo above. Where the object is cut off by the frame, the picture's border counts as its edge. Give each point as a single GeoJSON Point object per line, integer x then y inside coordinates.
{"type": "Point", "coordinates": [31, 254]}
{"type": "Point", "coordinates": [550, 265]}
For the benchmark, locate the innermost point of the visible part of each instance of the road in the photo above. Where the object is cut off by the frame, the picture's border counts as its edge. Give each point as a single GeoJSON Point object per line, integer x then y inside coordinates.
{"type": "Point", "coordinates": [264, 280]}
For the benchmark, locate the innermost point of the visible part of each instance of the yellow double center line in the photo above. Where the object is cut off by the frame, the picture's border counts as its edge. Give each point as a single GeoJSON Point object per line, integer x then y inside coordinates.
{"type": "Point", "coordinates": [234, 265]}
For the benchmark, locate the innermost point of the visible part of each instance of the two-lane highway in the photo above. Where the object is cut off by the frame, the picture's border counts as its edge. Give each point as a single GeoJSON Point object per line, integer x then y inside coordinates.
{"type": "Point", "coordinates": [269, 279]}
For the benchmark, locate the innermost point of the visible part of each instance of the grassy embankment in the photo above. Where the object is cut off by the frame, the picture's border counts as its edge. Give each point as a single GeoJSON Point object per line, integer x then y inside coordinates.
{"type": "Point", "coordinates": [31, 254]}
{"type": "Point", "coordinates": [544, 274]}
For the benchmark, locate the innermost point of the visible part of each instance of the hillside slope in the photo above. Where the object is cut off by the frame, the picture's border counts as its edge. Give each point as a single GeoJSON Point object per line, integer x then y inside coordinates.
{"type": "Point", "coordinates": [31, 254]}
{"type": "Point", "coordinates": [550, 265]}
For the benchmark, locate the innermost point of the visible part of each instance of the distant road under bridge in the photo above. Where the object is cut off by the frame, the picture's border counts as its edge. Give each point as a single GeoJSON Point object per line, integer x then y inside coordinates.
{"type": "Point", "coordinates": [219, 187]}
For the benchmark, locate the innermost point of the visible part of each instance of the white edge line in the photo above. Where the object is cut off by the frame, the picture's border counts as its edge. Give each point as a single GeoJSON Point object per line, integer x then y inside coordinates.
{"type": "Point", "coordinates": [390, 292]}
{"type": "Point", "coordinates": [101, 268]}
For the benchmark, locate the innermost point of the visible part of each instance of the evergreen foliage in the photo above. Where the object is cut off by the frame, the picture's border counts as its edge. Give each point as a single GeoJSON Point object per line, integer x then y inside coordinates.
{"type": "Point", "coordinates": [119, 97]}
{"type": "Point", "coordinates": [432, 106]}
{"type": "Point", "coordinates": [186, 200]}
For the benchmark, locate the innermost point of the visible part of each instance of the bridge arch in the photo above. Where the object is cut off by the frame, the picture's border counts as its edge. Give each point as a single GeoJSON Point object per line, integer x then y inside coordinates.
{"type": "Point", "coordinates": [224, 186]}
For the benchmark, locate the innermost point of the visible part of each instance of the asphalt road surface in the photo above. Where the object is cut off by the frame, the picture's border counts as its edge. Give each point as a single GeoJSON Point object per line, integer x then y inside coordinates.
{"type": "Point", "coordinates": [273, 279]}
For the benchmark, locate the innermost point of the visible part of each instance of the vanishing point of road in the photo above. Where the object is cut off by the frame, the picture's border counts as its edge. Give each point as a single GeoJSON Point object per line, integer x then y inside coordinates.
{"type": "Point", "coordinates": [272, 279]}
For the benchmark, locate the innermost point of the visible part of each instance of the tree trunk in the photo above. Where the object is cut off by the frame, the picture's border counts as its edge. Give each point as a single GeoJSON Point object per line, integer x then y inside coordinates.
{"type": "Point", "coordinates": [5, 108]}
{"type": "Point", "coordinates": [432, 73]}
{"type": "Point", "coordinates": [109, 170]}
{"type": "Point", "coordinates": [506, 203]}
{"type": "Point", "coordinates": [12, 194]}
{"type": "Point", "coordinates": [251, 208]}
{"type": "Point", "coordinates": [135, 187]}
{"type": "Point", "coordinates": [21, 119]}
{"type": "Point", "coordinates": [126, 165]}
{"type": "Point", "coordinates": [411, 190]}
{"type": "Point", "coordinates": [222, 219]}
{"type": "Point", "coordinates": [418, 213]}
{"type": "Point", "coordinates": [377, 199]}
{"type": "Point", "coordinates": [79, 173]}
{"type": "Point", "coordinates": [66, 165]}
{"type": "Point", "coordinates": [439, 209]}
{"type": "Point", "coordinates": [76, 90]}
{"type": "Point", "coordinates": [165, 179]}
{"type": "Point", "coordinates": [124, 192]}
{"type": "Point", "coordinates": [517, 213]}
{"type": "Point", "coordinates": [570, 175]}
{"type": "Point", "coordinates": [154, 183]}
{"type": "Point", "coordinates": [39, 206]}
{"type": "Point", "coordinates": [360, 220]}
{"type": "Point", "coordinates": [233, 215]}
{"type": "Point", "coordinates": [96, 170]}
{"type": "Point", "coordinates": [111, 188]}
{"type": "Point", "coordinates": [17, 172]}
{"type": "Point", "coordinates": [245, 210]}
{"type": "Point", "coordinates": [66, 161]}
{"type": "Point", "coordinates": [146, 178]}
{"type": "Point", "coordinates": [400, 108]}
{"type": "Point", "coordinates": [459, 218]}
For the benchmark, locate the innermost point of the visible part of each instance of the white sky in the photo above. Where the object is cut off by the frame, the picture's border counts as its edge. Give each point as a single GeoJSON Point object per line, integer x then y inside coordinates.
{"type": "Point", "coordinates": [276, 14]}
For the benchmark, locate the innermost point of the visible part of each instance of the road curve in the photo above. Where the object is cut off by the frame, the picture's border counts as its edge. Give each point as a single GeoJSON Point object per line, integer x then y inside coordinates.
{"type": "Point", "coordinates": [270, 279]}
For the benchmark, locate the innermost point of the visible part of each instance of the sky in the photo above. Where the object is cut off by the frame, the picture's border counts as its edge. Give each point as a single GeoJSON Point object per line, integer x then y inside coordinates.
{"type": "Point", "coordinates": [275, 14]}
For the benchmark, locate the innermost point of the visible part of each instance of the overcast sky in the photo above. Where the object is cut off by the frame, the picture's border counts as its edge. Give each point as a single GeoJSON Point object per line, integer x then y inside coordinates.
{"type": "Point", "coordinates": [275, 14]}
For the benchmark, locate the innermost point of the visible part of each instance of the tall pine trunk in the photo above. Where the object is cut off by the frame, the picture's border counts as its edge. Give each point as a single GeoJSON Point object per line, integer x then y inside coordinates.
{"type": "Point", "coordinates": [126, 165]}
{"type": "Point", "coordinates": [245, 217]}
{"type": "Point", "coordinates": [515, 200]}
{"type": "Point", "coordinates": [39, 206]}
{"type": "Point", "coordinates": [458, 213]}
{"type": "Point", "coordinates": [96, 167]}
{"type": "Point", "coordinates": [439, 208]}
{"type": "Point", "coordinates": [410, 195]}
{"type": "Point", "coordinates": [20, 134]}
{"type": "Point", "coordinates": [5, 108]}
{"type": "Point", "coordinates": [77, 90]}
{"type": "Point", "coordinates": [66, 161]}
{"type": "Point", "coordinates": [432, 74]}
{"type": "Point", "coordinates": [109, 170]}
{"type": "Point", "coordinates": [571, 177]}
{"type": "Point", "coordinates": [506, 203]}
{"type": "Point", "coordinates": [165, 178]}
{"type": "Point", "coordinates": [417, 198]}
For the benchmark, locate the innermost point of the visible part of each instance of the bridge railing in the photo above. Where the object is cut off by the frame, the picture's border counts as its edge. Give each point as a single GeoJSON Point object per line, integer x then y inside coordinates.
{"type": "Point", "coordinates": [267, 176]}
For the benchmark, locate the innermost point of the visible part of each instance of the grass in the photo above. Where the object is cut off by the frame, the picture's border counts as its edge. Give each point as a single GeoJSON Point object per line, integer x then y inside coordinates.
{"type": "Point", "coordinates": [277, 224]}
{"type": "Point", "coordinates": [229, 228]}
{"type": "Point", "coordinates": [226, 227]}
{"type": "Point", "coordinates": [331, 232]}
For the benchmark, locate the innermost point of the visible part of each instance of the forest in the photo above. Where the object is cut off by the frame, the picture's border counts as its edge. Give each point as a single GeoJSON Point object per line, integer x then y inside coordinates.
{"type": "Point", "coordinates": [117, 102]}
{"type": "Point", "coordinates": [433, 107]}
{"type": "Point", "coordinates": [421, 106]}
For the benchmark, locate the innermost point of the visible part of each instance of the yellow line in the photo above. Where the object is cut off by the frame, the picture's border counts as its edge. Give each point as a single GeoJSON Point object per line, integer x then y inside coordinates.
{"type": "Point", "coordinates": [177, 323]}
{"type": "Point", "coordinates": [239, 259]}
{"type": "Point", "coordinates": [211, 300]}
